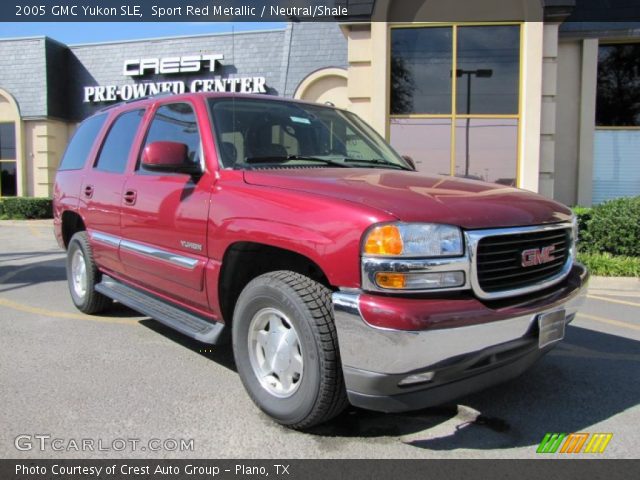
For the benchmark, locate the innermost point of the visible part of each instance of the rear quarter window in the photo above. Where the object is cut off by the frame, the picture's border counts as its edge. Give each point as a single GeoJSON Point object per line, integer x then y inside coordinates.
{"type": "Point", "coordinates": [75, 156]}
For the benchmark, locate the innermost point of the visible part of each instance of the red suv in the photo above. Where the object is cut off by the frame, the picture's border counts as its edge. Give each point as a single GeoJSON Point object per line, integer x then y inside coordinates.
{"type": "Point", "coordinates": [340, 274]}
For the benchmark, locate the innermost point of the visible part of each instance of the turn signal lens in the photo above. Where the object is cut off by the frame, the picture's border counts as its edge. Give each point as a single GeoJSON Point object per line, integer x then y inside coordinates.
{"type": "Point", "coordinates": [391, 280]}
{"type": "Point", "coordinates": [384, 240]}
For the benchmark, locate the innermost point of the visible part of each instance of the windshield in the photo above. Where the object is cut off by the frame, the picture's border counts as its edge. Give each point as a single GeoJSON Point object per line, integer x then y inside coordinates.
{"type": "Point", "coordinates": [254, 133]}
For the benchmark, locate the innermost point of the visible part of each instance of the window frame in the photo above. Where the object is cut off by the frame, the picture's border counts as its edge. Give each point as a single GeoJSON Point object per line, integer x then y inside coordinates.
{"type": "Point", "coordinates": [453, 116]}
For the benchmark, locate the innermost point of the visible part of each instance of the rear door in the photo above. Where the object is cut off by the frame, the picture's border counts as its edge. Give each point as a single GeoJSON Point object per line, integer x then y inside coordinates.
{"type": "Point", "coordinates": [102, 188]}
{"type": "Point", "coordinates": [164, 215]}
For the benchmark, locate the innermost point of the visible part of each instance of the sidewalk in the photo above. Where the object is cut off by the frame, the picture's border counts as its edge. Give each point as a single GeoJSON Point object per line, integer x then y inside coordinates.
{"type": "Point", "coordinates": [47, 222]}
{"type": "Point", "coordinates": [613, 285]}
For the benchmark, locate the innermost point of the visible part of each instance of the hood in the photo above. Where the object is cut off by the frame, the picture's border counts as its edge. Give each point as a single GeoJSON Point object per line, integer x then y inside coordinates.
{"type": "Point", "coordinates": [414, 197]}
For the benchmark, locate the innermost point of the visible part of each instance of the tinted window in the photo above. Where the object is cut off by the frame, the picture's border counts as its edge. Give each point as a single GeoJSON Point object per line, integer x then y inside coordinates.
{"type": "Point", "coordinates": [176, 123]}
{"type": "Point", "coordinates": [78, 149]}
{"type": "Point", "coordinates": [618, 98]}
{"type": "Point", "coordinates": [488, 70]}
{"type": "Point", "coordinates": [421, 61]}
{"type": "Point", "coordinates": [116, 147]}
{"type": "Point", "coordinates": [8, 179]}
{"type": "Point", "coordinates": [7, 140]}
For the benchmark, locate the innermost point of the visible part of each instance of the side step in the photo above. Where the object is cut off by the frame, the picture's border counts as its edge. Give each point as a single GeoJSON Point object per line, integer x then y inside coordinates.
{"type": "Point", "coordinates": [184, 322]}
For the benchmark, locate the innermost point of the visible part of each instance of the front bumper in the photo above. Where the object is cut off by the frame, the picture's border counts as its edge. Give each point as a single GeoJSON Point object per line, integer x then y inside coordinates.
{"type": "Point", "coordinates": [467, 345]}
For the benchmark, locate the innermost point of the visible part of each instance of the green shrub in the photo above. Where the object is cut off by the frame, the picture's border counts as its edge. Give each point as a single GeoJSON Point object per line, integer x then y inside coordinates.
{"type": "Point", "coordinates": [26, 207]}
{"type": "Point", "coordinates": [1, 208]}
{"type": "Point", "coordinates": [613, 227]}
{"type": "Point", "coordinates": [607, 265]}
{"type": "Point", "coordinates": [583, 214]}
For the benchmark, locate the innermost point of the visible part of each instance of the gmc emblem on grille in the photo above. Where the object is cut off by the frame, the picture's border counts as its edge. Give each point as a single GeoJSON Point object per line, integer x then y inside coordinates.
{"type": "Point", "coordinates": [538, 256]}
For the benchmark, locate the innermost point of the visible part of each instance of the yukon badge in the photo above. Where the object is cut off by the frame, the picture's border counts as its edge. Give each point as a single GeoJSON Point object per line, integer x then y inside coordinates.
{"type": "Point", "coordinates": [537, 256]}
{"type": "Point", "coordinates": [191, 245]}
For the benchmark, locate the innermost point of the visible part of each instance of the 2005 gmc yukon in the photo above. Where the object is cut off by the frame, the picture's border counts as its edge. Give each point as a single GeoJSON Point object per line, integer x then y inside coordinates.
{"type": "Point", "coordinates": [339, 273]}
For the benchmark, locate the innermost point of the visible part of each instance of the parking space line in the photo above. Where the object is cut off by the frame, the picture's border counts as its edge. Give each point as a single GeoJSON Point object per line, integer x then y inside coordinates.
{"type": "Point", "coordinates": [71, 316]}
{"type": "Point", "coordinates": [614, 300]}
{"type": "Point", "coordinates": [34, 231]}
{"type": "Point", "coordinates": [610, 321]}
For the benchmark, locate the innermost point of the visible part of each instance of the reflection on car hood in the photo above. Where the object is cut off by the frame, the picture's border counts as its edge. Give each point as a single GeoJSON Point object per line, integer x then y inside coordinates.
{"type": "Point", "coordinates": [414, 197]}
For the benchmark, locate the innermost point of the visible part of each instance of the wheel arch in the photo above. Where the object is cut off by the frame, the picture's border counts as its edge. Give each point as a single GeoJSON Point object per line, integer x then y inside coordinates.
{"type": "Point", "coordinates": [246, 260]}
{"type": "Point", "coordinates": [71, 223]}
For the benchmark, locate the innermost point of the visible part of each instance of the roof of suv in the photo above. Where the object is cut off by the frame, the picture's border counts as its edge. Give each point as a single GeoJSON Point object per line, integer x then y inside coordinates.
{"type": "Point", "coordinates": [144, 101]}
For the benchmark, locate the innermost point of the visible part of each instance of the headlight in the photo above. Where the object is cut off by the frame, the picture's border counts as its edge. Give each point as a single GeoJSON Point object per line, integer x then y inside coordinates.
{"type": "Point", "coordinates": [413, 240]}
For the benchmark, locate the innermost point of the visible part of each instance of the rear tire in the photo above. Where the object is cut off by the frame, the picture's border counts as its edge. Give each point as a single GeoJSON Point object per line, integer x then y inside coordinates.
{"type": "Point", "coordinates": [83, 276]}
{"type": "Point", "coordinates": [286, 349]}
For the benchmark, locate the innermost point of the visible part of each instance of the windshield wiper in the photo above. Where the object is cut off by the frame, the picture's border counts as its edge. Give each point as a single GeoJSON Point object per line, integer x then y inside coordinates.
{"type": "Point", "coordinates": [375, 161]}
{"type": "Point", "coordinates": [283, 159]}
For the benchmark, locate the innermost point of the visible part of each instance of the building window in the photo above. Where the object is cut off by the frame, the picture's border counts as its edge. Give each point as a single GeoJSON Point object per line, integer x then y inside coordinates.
{"type": "Point", "coordinates": [618, 97]}
{"type": "Point", "coordinates": [455, 99]}
{"type": "Point", "coordinates": [8, 163]}
{"type": "Point", "coordinates": [616, 169]}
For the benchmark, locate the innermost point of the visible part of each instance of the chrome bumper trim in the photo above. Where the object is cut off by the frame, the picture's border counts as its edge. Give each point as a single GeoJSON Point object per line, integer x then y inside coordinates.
{"type": "Point", "coordinates": [387, 351]}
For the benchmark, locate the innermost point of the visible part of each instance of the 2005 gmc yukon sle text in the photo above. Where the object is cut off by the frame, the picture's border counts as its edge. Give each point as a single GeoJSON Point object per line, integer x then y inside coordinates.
{"type": "Point", "coordinates": [340, 274]}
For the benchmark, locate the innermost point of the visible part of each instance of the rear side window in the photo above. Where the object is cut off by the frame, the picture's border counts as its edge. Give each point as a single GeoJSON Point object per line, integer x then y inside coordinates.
{"type": "Point", "coordinates": [176, 122]}
{"type": "Point", "coordinates": [115, 150]}
{"type": "Point", "coordinates": [80, 145]}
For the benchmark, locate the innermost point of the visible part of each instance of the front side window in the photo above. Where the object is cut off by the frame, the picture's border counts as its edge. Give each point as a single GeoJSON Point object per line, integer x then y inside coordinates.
{"type": "Point", "coordinates": [176, 122]}
{"type": "Point", "coordinates": [114, 154]}
{"type": "Point", "coordinates": [8, 160]}
{"type": "Point", "coordinates": [454, 99]}
{"type": "Point", "coordinates": [250, 133]}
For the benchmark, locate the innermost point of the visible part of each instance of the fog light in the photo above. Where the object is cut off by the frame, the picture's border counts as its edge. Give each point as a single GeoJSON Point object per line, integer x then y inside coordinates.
{"type": "Point", "coordinates": [419, 281]}
{"type": "Point", "coordinates": [391, 280]}
{"type": "Point", "coordinates": [417, 378]}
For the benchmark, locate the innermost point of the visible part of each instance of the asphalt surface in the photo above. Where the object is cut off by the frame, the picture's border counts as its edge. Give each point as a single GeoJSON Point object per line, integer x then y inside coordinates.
{"type": "Point", "coordinates": [125, 378]}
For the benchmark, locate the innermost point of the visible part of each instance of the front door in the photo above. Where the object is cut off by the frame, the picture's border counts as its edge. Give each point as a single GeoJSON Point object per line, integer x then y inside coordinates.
{"type": "Point", "coordinates": [164, 215]}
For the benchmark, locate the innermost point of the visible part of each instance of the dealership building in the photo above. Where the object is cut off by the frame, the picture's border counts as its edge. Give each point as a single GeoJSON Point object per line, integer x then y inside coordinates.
{"type": "Point", "coordinates": [515, 94]}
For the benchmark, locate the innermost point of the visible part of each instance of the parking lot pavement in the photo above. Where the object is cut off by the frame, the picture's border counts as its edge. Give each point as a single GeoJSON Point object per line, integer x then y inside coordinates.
{"type": "Point", "coordinates": [123, 376]}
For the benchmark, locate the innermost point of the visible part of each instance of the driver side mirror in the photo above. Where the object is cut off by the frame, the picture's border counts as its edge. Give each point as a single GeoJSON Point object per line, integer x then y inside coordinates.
{"type": "Point", "coordinates": [168, 157]}
{"type": "Point", "coordinates": [410, 161]}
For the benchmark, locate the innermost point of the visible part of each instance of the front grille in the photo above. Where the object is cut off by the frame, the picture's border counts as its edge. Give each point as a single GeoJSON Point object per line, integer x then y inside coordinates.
{"type": "Point", "coordinates": [499, 259]}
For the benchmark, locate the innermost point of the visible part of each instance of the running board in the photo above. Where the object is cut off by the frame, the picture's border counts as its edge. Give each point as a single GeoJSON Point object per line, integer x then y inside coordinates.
{"type": "Point", "coordinates": [176, 318]}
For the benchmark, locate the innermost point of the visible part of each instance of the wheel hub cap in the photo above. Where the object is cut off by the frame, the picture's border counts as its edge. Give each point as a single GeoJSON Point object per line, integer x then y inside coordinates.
{"type": "Point", "coordinates": [275, 352]}
{"type": "Point", "coordinates": [79, 273]}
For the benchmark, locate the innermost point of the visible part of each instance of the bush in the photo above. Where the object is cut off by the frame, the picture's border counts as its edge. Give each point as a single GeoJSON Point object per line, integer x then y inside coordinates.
{"type": "Point", "coordinates": [611, 227]}
{"type": "Point", "coordinates": [26, 207]}
{"type": "Point", "coordinates": [1, 208]}
{"type": "Point", "coordinates": [608, 265]}
{"type": "Point", "coordinates": [583, 214]}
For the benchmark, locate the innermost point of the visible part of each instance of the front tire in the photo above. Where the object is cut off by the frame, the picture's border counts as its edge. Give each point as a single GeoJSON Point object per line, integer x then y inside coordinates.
{"type": "Point", "coordinates": [83, 275]}
{"type": "Point", "coordinates": [286, 349]}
